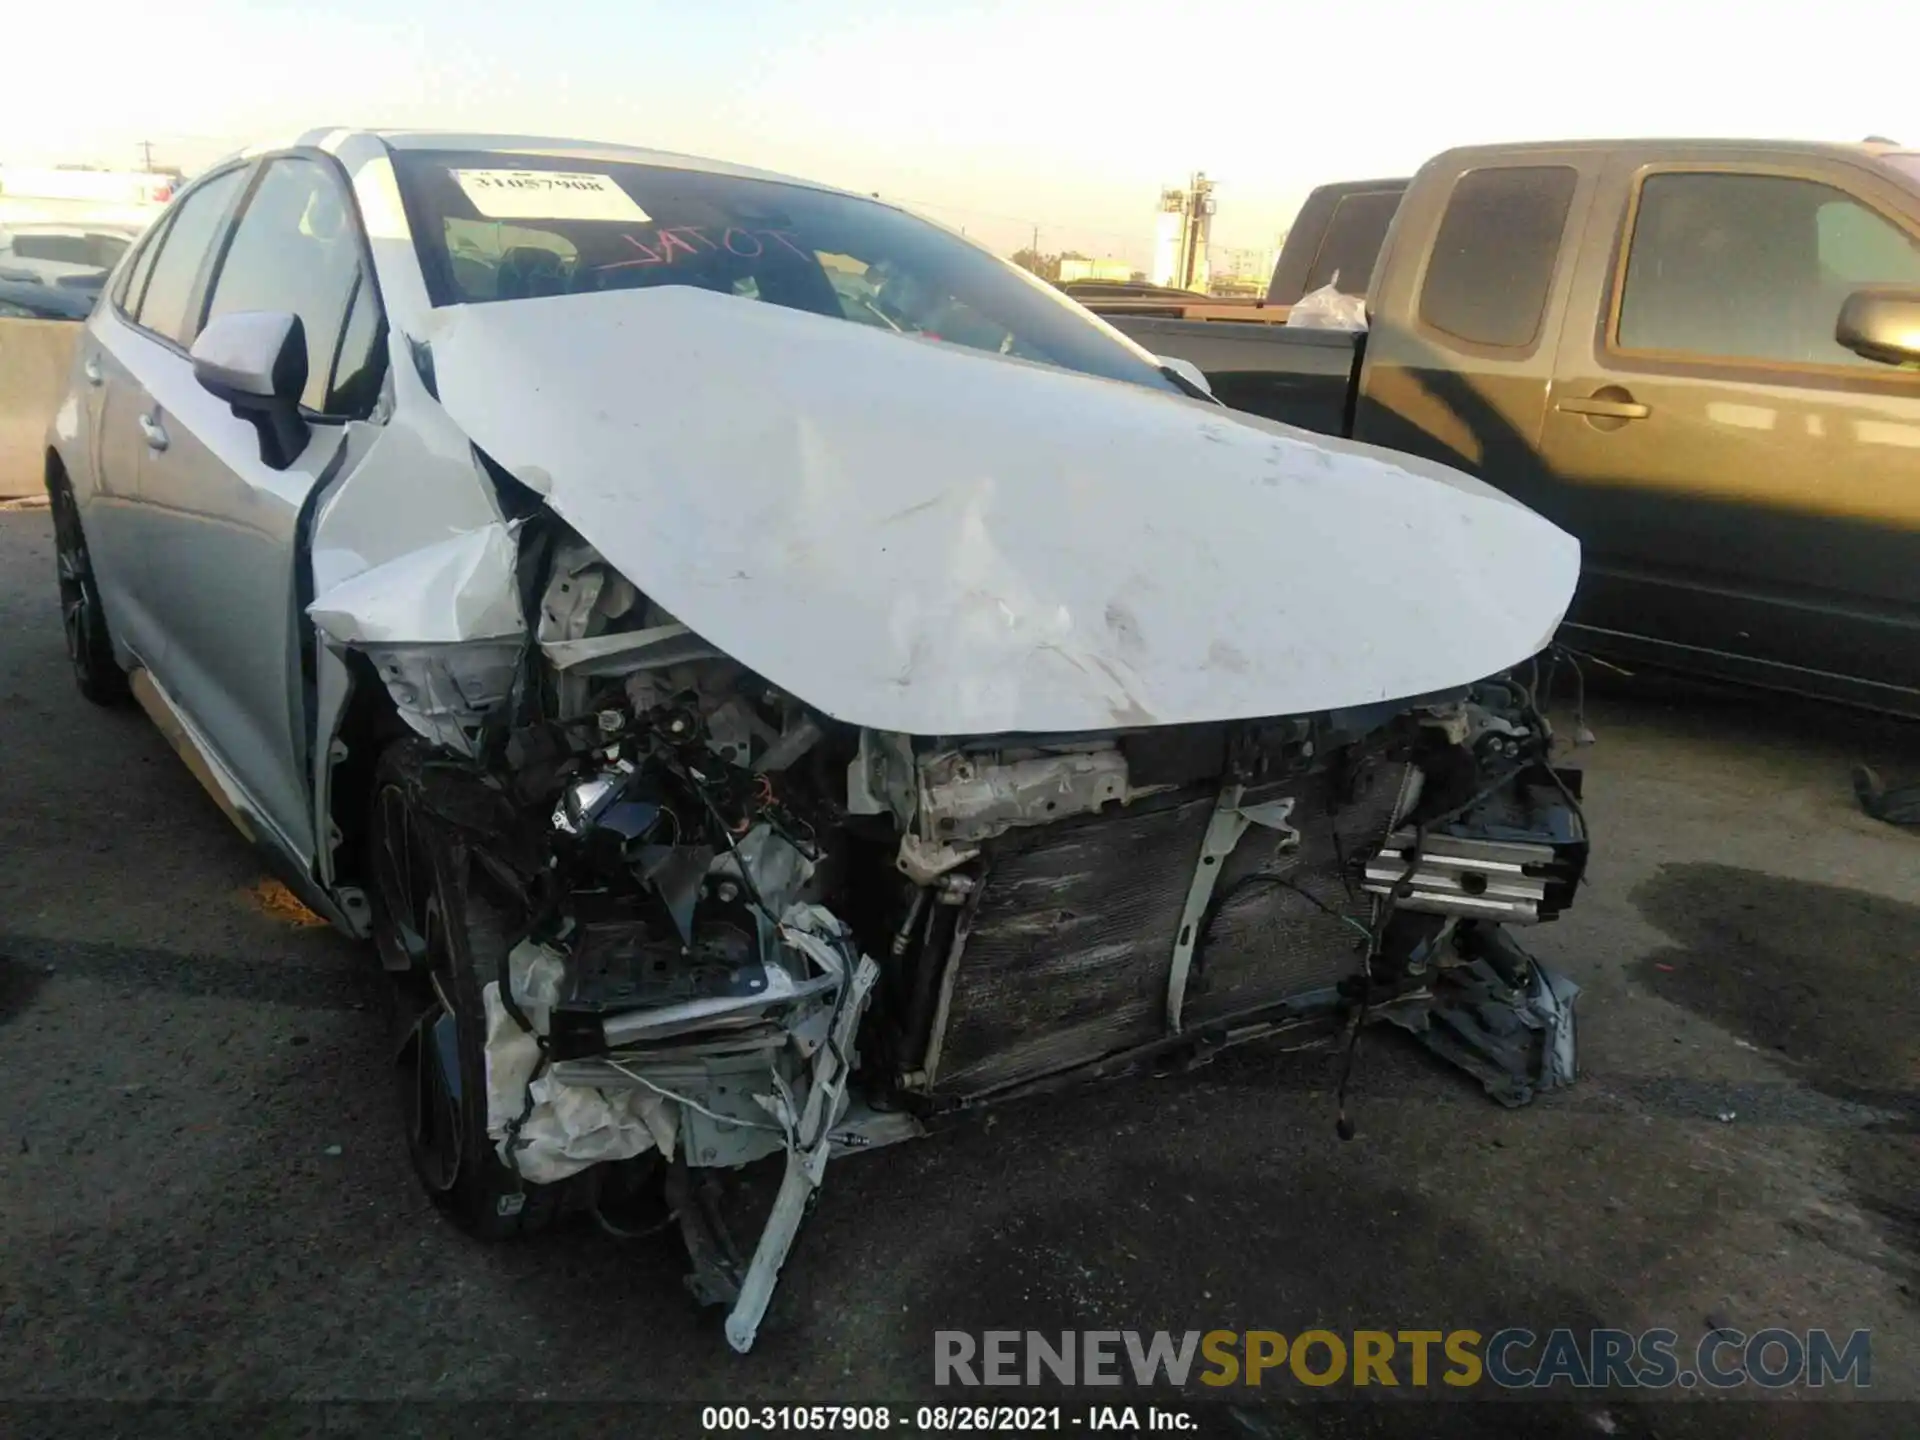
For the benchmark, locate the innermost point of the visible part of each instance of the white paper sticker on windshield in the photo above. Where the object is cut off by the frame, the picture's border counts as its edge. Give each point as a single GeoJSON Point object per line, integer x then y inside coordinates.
{"type": "Point", "coordinates": [547, 195]}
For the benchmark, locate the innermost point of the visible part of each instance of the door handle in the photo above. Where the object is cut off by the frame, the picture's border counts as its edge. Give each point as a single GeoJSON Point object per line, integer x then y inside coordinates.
{"type": "Point", "coordinates": [95, 375]}
{"type": "Point", "coordinates": [156, 434]}
{"type": "Point", "coordinates": [1607, 409]}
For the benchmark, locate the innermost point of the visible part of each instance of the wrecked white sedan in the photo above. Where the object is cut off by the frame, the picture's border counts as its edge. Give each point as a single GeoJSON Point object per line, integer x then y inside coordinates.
{"type": "Point", "coordinates": [767, 674]}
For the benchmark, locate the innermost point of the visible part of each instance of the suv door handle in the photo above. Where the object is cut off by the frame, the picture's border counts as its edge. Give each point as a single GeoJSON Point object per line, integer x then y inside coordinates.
{"type": "Point", "coordinates": [95, 375]}
{"type": "Point", "coordinates": [1608, 409]}
{"type": "Point", "coordinates": [156, 434]}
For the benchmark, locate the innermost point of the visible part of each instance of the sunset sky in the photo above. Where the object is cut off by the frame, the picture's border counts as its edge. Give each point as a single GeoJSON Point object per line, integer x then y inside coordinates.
{"type": "Point", "coordinates": [995, 117]}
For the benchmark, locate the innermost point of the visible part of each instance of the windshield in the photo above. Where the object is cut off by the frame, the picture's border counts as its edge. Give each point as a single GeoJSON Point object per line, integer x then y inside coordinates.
{"type": "Point", "coordinates": [504, 227]}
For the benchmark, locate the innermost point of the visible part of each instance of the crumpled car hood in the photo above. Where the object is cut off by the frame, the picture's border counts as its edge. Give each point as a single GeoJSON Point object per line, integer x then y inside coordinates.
{"type": "Point", "coordinates": [921, 538]}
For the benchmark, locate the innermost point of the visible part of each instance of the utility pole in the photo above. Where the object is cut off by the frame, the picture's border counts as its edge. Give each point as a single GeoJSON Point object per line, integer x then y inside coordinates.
{"type": "Point", "coordinates": [146, 156]}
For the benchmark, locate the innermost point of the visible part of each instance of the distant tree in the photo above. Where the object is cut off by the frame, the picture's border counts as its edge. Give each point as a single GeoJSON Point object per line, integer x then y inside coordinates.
{"type": "Point", "coordinates": [1047, 267]}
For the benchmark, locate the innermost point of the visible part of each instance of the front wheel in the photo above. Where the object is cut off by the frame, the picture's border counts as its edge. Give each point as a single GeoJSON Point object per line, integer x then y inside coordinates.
{"type": "Point", "coordinates": [441, 943]}
{"type": "Point", "coordinates": [89, 647]}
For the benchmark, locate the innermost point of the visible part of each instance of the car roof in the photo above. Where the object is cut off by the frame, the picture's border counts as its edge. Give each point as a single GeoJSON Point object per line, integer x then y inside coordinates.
{"type": "Point", "coordinates": [1711, 145]}
{"type": "Point", "coordinates": [545, 146]}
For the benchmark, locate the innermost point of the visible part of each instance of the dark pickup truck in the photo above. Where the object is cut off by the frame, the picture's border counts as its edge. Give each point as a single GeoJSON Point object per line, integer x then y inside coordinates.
{"type": "Point", "coordinates": [1702, 358]}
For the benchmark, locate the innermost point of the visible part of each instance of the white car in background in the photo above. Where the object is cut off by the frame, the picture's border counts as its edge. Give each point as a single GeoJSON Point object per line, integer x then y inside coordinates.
{"type": "Point", "coordinates": [766, 673]}
{"type": "Point", "coordinates": [54, 271]}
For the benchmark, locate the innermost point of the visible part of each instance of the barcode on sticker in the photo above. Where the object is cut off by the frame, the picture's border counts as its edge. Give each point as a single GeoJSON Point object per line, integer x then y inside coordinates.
{"type": "Point", "coordinates": [548, 195]}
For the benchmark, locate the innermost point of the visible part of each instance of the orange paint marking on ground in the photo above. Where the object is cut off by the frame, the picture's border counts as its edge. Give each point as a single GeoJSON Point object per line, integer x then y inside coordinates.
{"type": "Point", "coordinates": [277, 902]}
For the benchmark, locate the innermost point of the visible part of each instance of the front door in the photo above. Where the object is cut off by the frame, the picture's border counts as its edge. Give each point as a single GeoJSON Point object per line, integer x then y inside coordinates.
{"type": "Point", "coordinates": [1747, 491]}
{"type": "Point", "coordinates": [134, 333]}
{"type": "Point", "coordinates": [225, 525]}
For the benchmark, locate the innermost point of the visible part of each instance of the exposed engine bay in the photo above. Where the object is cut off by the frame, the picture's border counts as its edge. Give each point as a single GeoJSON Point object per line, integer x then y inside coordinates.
{"type": "Point", "coordinates": [751, 930]}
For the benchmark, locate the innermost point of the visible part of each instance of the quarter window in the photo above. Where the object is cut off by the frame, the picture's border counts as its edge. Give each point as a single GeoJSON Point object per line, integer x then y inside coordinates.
{"type": "Point", "coordinates": [296, 249]}
{"type": "Point", "coordinates": [1355, 232]}
{"type": "Point", "coordinates": [176, 269]}
{"type": "Point", "coordinates": [1493, 259]}
{"type": "Point", "coordinates": [359, 367]}
{"type": "Point", "coordinates": [1753, 267]}
{"type": "Point", "coordinates": [133, 280]}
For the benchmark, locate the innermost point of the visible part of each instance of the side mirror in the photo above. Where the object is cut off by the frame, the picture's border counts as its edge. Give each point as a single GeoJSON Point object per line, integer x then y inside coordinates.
{"type": "Point", "coordinates": [256, 361]}
{"type": "Point", "coordinates": [1187, 371]}
{"type": "Point", "coordinates": [1881, 325]}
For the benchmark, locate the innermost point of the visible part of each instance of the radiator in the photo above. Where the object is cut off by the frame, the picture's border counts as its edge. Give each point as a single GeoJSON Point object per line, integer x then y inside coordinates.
{"type": "Point", "coordinates": [1064, 953]}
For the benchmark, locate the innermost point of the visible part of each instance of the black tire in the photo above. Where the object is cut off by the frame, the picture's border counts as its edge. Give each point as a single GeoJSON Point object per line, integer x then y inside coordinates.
{"type": "Point", "coordinates": [89, 646]}
{"type": "Point", "coordinates": [441, 942]}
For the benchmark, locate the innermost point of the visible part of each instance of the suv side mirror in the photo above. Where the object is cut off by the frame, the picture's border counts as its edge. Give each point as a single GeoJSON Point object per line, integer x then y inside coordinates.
{"type": "Point", "coordinates": [256, 361]}
{"type": "Point", "coordinates": [1881, 325]}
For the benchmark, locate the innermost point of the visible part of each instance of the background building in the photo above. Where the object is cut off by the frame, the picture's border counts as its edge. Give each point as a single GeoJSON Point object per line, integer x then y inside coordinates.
{"type": "Point", "coordinates": [31, 195]}
{"type": "Point", "coordinates": [1244, 270]}
{"type": "Point", "coordinates": [1075, 267]}
{"type": "Point", "coordinates": [1180, 237]}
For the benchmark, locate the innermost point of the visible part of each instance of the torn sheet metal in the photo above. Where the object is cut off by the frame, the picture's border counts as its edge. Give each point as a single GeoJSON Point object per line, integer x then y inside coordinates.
{"type": "Point", "coordinates": [923, 539]}
{"type": "Point", "coordinates": [808, 1123]}
{"type": "Point", "coordinates": [459, 588]}
{"type": "Point", "coordinates": [446, 692]}
{"type": "Point", "coordinates": [1515, 1039]}
{"type": "Point", "coordinates": [418, 484]}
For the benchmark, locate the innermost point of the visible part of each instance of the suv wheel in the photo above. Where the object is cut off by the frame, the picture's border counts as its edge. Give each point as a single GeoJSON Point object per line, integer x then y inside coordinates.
{"type": "Point", "coordinates": [441, 944]}
{"type": "Point", "coordinates": [89, 647]}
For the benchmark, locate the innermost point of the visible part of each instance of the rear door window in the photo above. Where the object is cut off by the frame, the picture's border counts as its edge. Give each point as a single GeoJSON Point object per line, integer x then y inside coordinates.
{"type": "Point", "coordinates": [1753, 267]}
{"type": "Point", "coordinates": [1355, 232]}
{"type": "Point", "coordinates": [297, 250]}
{"type": "Point", "coordinates": [360, 363]}
{"type": "Point", "coordinates": [173, 285]}
{"type": "Point", "coordinates": [133, 280]}
{"type": "Point", "coordinates": [1492, 263]}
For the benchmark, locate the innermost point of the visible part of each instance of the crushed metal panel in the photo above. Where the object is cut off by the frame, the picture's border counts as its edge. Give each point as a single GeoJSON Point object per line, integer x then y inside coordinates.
{"type": "Point", "coordinates": [446, 692]}
{"type": "Point", "coordinates": [459, 588]}
{"type": "Point", "coordinates": [1515, 1039]}
{"type": "Point", "coordinates": [923, 539]}
{"type": "Point", "coordinates": [419, 484]}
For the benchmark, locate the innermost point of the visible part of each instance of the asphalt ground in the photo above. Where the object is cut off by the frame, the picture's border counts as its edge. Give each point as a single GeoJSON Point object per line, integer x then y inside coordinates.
{"type": "Point", "coordinates": [204, 1199]}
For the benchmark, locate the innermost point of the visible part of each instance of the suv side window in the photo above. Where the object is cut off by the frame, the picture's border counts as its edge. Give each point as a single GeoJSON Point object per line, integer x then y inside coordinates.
{"type": "Point", "coordinates": [172, 280]}
{"type": "Point", "coordinates": [360, 365]}
{"type": "Point", "coordinates": [296, 248]}
{"type": "Point", "coordinates": [1355, 233]}
{"type": "Point", "coordinates": [133, 278]}
{"type": "Point", "coordinates": [1493, 259]}
{"type": "Point", "coordinates": [1753, 267]}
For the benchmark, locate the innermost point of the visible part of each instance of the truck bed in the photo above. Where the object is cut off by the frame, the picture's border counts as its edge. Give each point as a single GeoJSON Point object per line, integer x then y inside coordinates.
{"type": "Point", "coordinates": [1302, 377]}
